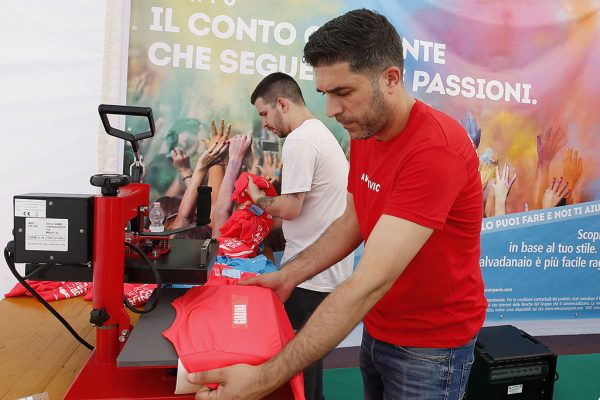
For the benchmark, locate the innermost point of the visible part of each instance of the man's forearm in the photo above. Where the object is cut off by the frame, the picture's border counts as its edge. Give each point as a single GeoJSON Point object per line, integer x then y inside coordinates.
{"type": "Point", "coordinates": [499, 207]}
{"type": "Point", "coordinates": [215, 177]}
{"type": "Point", "coordinates": [187, 206]}
{"type": "Point", "coordinates": [285, 206]}
{"type": "Point", "coordinates": [224, 203]}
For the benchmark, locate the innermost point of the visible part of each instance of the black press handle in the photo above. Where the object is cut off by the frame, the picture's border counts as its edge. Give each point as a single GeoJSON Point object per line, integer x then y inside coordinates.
{"type": "Point", "coordinates": [105, 109]}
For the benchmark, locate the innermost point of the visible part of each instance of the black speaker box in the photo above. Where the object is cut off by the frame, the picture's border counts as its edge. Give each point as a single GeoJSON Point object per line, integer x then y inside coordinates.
{"type": "Point", "coordinates": [510, 364]}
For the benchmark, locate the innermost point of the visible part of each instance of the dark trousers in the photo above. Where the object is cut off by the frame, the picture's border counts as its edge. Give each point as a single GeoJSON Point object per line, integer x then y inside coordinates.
{"type": "Point", "coordinates": [299, 307]}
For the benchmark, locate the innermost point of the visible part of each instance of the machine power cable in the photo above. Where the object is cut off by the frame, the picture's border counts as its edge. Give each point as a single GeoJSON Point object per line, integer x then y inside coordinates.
{"type": "Point", "coordinates": [153, 302]}
{"type": "Point", "coordinates": [9, 252]}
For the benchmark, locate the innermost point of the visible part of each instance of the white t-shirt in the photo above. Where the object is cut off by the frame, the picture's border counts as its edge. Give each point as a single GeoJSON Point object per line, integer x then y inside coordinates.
{"type": "Point", "coordinates": [314, 163]}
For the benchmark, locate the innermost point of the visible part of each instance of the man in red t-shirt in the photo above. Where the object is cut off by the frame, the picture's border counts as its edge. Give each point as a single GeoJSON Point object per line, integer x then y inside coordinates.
{"type": "Point", "coordinates": [415, 198]}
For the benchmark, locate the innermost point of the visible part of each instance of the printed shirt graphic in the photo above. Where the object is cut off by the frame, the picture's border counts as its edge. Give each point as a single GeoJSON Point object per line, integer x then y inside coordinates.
{"type": "Point", "coordinates": [52, 291]}
{"type": "Point", "coordinates": [243, 232]}
{"type": "Point", "coordinates": [427, 174]}
{"type": "Point", "coordinates": [135, 293]}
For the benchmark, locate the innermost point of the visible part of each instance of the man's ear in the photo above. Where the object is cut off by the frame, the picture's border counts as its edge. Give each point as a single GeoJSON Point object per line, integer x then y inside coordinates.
{"type": "Point", "coordinates": [282, 104]}
{"type": "Point", "coordinates": [392, 77]}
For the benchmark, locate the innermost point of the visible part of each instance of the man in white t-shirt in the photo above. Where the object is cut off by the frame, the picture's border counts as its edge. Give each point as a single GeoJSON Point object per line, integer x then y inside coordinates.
{"type": "Point", "coordinates": [313, 195]}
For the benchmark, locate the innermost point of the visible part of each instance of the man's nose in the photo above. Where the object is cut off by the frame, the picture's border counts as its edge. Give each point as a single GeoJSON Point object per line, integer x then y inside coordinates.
{"type": "Point", "coordinates": [333, 107]}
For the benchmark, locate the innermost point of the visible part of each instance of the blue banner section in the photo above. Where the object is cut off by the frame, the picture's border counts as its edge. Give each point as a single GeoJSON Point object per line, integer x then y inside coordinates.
{"type": "Point", "coordinates": [542, 264]}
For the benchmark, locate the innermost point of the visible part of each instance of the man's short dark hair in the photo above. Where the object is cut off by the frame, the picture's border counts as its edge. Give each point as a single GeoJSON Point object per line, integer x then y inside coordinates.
{"type": "Point", "coordinates": [363, 38]}
{"type": "Point", "coordinates": [277, 85]}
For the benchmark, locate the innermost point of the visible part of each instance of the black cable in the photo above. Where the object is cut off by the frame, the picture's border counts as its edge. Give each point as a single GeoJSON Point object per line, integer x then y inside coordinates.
{"type": "Point", "coordinates": [9, 257]}
{"type": "Point", "coordinates": [152, 304]}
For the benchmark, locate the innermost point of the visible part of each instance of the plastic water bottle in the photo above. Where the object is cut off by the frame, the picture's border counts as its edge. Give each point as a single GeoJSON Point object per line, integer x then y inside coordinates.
{"type": "Point", "coordinates": [157, 216]}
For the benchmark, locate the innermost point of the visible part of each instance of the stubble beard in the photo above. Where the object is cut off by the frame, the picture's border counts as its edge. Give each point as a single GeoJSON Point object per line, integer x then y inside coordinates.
{"type": "Point", "coordinates": [374, 118]}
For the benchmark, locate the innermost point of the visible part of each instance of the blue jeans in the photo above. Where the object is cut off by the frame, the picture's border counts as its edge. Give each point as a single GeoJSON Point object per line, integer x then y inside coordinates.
{"type": "Point", "coordinates": [399, 373]}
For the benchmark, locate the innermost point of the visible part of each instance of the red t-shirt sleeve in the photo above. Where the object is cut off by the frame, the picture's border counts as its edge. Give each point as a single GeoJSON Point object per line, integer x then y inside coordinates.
{"type": "Point", "coordinates": [426, 186]}
{"type": "Point", "coordinates": [351, 170]}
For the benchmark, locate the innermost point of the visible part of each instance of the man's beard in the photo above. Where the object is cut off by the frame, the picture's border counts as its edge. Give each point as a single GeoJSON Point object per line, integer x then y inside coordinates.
{"type": "Point", "coordinates": [375, 118]}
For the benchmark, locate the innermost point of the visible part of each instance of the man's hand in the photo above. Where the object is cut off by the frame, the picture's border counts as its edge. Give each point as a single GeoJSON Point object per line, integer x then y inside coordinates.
{"type": "Point", "coordinates": [219, 135]}
{"type": "Point", "coordinates": [501, 188]}
{"type": "Point", "coordinates": [243, 382]}
{"type": "Point", "coordinates": [238, 146]}
{"type": "Point", "coordinates": [216, 153]}
{"type": "Point", "coordinates": [572, 165]}
{"type": "Point", "coordinates": [549, 142]}
{"type": "Point", "coordinates": [181, 162]}
{"type": "Point", "coordinates": [253, 191]}
{"type": "Point", "coordinates": [470, 125]}
{"type": "Point", "coordinates": [503, 183]}
{"type": "Point", "coordinates": [275, 280]}
{"type": "Point", "coordinates": [557, 190]}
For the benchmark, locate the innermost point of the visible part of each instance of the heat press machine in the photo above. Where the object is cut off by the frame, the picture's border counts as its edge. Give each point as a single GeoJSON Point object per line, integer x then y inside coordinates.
{"type": "Point", "coordinates": [69, 237]}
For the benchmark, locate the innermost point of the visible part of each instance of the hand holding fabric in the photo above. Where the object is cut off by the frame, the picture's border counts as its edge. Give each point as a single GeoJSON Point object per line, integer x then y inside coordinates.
{"type": "Point", "coordinates": [275, 281]}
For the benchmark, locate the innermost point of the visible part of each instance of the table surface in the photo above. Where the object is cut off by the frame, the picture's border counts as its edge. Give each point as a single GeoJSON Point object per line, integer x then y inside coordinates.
{"type": "Point", "coordinates": [37, 353]}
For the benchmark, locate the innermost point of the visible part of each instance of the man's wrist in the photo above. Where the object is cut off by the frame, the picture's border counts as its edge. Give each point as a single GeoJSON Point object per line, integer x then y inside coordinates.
{"type": "Point", "coordinates": [264, 202]}
{"type": "Point", "coordinates": [290, 276]}
{"type": "Point", "coordinates": [236, 157]}
{"type": "Point", "coordinates": [254, 198]}
{"type": "Point", "coordinates": [200, 169]}
{"type": "Point", "coordinates": [270, 375]}
{"type": "Point", "coordinates": [185, 172]}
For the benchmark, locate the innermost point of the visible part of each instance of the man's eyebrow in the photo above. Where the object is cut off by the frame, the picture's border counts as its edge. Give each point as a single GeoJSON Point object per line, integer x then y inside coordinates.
{"type": "Point", "coordinates": [334, 90]}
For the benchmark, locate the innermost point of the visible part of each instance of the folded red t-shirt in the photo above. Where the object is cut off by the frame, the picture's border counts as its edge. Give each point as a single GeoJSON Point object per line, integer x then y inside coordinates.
{"type": "Point", "coordinates": [135, 293]}
{"type": "Point", "coordinates": [222, 323]}
{"type": "Point", "coordinates": [243, 232]}
{"type": "Point", "coordinates": [50, 290]}
{"type": "Point", "coordinates": [239, 193]}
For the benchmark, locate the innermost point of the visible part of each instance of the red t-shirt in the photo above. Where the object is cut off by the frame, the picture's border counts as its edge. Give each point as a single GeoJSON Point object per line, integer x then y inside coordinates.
{"type": "Point", "coordinates": [428, 174]}
{"type": "Point", "coordinates": [222, 323]}
{"type": "Point", "coordinates": [242, 234]}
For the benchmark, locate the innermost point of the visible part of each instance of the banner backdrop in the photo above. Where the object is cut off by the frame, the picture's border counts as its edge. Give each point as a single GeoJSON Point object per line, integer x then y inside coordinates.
{"type": "Point", "coordinates": [520, 76]}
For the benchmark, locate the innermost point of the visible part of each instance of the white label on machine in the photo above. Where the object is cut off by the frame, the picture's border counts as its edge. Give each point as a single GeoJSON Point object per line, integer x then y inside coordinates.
{"type": "Point", "coordinates": [30, 208]}
{"type": "Point", "coordinates": [514, 389]}
{"type": "Point", "coordinates": [47, 234]}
